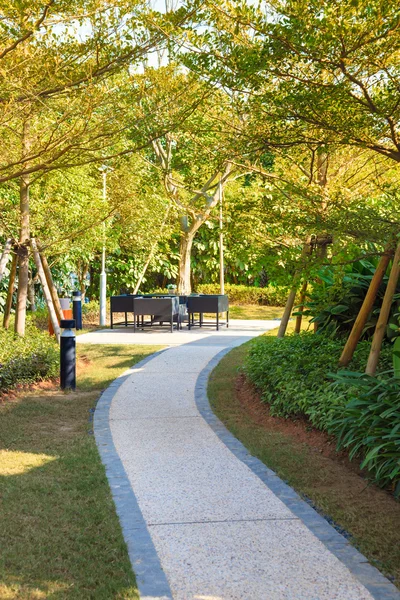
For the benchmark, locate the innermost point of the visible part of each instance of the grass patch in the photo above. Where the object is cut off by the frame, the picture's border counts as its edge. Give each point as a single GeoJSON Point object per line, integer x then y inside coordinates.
{"type": "Point", "coordinates": [255, 312]}
{"type": "Point", "coordinates": [60, 535]}
{"type": "Point", "coordinates": [369, 514]}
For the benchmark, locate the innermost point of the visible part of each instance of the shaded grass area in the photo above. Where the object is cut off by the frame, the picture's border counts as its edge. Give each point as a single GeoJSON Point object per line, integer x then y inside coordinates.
{"type": "Point", "coordinates": [60, 536]}
{"type": "Point", "coordinates": [370, 515]}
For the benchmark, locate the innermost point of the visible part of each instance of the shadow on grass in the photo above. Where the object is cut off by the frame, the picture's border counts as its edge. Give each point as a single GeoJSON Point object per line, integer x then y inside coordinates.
{"type": "Point", "coordinates": [60, 535]}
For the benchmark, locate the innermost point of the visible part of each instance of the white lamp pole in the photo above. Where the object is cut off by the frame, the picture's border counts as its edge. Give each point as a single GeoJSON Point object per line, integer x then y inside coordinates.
{"type": "Point", "coordinates": [221, 243]}
{"type": "Point", "coordinates": [103, 274]}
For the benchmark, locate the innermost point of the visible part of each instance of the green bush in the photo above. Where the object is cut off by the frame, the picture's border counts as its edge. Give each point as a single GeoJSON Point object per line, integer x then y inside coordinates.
{"type": "Point", "coordinates": [91, 312]}
{"type": "Point", "coordinates": [27, 359]}
{"type": "Point", "coordinates": [245, 294]}
{"type": "Point", "coordinates": [369, 424]}
{"type": "Point", "coordinates": [293, 374]}
{"type": "Point", "coordinates": [298, 376]}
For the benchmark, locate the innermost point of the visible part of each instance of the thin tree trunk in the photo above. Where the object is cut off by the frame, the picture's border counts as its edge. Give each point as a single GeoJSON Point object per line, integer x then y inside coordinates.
{"type": "Point", "coordinates": [305, 254]}
{"type": "Point", "coordinates": [5, 257]}
{"type": "Point", "coordinates": [184, 285]}
{"type": "Point", "coordinates": [384, 315]}
{"type": "Point", "coordinates": [52, 288]}
{"type": "Point", "coordinates": [11, 283]}
{"type": "Point", "coordinates": [46, 290]}
{"type": "Point", "coordinates": [23, 246]}
{"type": "Point", "coordinates": [366, 308]}
{"type": "Point", "coordinates": [31, 294]}
{"type": "Point", "coordinates": [299, 318]}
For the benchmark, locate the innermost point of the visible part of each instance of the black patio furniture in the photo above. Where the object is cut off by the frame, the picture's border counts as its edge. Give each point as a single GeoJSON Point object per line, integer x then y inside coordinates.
{"type": "Point", "coordinates": [161, 310]}
{"type": "Point", "coordinates": [214, 304]}
{"type": "Point", "coordinates": [121, 304]}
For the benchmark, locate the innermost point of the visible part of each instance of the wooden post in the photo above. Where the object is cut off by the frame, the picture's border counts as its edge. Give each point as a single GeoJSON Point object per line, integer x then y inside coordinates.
{"type": "Point", "coordinates": [46, 290]}
{"type": "Point", "coordinates": [11, 282]}
{"type": "Point", "coordinates": [297, 328]}
{"type": "Point", "coordinates": [4, 257]}
{"type": "Point", "coordinates": [366, 308]}
{"type": "Point", "coordinates": [384, 315]}
{"type": "Point", "coordinates": [52, 287]}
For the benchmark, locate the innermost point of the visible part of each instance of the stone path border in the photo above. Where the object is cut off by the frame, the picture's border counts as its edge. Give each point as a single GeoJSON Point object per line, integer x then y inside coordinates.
{"type": "Point", "coordinates": [151, 580]}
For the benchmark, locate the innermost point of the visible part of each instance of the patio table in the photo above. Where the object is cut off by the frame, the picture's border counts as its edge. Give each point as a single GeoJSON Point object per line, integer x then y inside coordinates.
{"type": "Point", "coordinates": [215, 304]}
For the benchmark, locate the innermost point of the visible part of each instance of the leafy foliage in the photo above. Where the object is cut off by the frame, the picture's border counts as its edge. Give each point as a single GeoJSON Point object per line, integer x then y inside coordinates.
{"type": "Point", "coordinates": [27, 359]}
{"type": "Point", "coordinates": [292, 374]}
{"type": "Point", "coordinates": [336, 301]}
{"type": "Point", "coordinates": [369, 424]}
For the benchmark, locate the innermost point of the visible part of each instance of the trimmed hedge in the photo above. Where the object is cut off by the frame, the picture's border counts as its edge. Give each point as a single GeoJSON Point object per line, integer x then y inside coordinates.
{"type": "Point", "coordinates": [27, 359]}
{"type": "Point", "coordinates": [245, 294]}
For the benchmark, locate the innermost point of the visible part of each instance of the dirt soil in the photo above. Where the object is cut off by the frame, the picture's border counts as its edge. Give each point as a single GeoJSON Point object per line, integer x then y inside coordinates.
{"type": "Point", "coordinates": [298, 429]}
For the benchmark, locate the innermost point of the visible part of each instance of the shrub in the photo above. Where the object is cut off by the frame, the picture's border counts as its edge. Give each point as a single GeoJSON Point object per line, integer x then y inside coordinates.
{"type": "Point", "coordinates": [369, 424]}
{"type": "Point", "coordinates": [27, 359]}
{"type": "Point", "coordinates": [245, 294]}
{"type": "Point", "coordinates": [292, 374]}
{"type": "Point", "coordinates": [298, 376]}
{"type": "Point", "coordinates": [91, 312]}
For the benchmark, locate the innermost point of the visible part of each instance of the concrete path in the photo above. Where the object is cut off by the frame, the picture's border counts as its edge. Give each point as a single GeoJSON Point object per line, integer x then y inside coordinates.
{"type": "Point", "coordinates": [202, 519]}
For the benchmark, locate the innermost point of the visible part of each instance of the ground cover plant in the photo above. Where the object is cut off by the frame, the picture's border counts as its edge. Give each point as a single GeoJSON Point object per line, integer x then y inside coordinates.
{"type": "Point", "coordinates": [296, 378]}
{"type": "Point", "coordinates": [60, 534]}
{"type": "Point", "coordinates": [296, 453]}
{"type": "Point", "coordinates": [27, 359]}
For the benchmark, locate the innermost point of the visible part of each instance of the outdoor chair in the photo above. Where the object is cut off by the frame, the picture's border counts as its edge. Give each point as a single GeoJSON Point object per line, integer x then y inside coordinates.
{"type": "Point", "coordinates": [160, 310]}
{"type": "Point", "coordinates": [200, 305]}
{"type": "Point", "coordinates": [121, 304]}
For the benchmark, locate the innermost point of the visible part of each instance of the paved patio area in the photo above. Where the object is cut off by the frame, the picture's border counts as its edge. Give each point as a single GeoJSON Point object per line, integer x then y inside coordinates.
{"type": "Point", "coordinates": [239, 329]}
{"type": "Point", "coordinates": [202, 519]}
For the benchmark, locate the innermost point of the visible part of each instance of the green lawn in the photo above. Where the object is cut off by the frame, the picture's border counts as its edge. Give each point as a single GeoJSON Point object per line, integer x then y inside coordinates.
{"type": "Point", "coordinates": [255, 312]}
{"type": "Point", "coordinates": [60, 536]}
{"type": "Point", "coordinates": [369, 514]}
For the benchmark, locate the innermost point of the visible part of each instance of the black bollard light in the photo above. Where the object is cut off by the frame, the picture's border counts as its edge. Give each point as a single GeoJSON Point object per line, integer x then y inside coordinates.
{"type": "Point", "coordinates": [67, 355]}
{"type": "Point", "coordinates": [77, 309]}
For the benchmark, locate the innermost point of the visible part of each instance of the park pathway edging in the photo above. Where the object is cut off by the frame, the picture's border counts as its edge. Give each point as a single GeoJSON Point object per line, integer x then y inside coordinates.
{"type": "Point", "coordinates": [370, 577]}
{"type": "Point", "coordinates": [151, 579]}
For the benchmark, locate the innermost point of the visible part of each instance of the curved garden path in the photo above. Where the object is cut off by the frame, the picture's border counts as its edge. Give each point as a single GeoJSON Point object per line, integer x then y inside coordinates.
{"type": "Point", "coordinates": [202, 519]}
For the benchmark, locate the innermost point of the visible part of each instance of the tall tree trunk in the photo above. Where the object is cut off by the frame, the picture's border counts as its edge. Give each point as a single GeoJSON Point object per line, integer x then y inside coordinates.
{"type": "Point", "coordinates": [186, 243]}
{"type": "Point", "coordinates": [384, 315]}
{"type": "Point", "coordinates": [5, 257]}
{"type": "Point", "coordinates": [366, 308]}
{"type": "Point", "coordinates": [11, 283]}
{"type": "Point", "coordinates": [23, 245]}
{"type": "Point", "coordinates": [301, 307]}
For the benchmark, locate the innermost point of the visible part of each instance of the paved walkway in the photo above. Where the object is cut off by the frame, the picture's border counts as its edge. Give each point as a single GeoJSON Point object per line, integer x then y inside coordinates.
{"type": "Point", "coordinates": [202, 519]}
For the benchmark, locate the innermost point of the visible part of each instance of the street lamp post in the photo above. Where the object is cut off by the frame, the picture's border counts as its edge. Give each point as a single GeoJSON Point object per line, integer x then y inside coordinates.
{"type": "Point", "coordinates": [221, 244]}
{"type": "Point", "coordinates": [103, 274]}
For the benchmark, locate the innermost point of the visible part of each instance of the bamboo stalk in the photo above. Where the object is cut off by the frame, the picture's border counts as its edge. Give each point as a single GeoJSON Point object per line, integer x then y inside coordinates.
{"type": "Point", "coordinates": [5, 257]}
{"type": "Point", "coordinates": [367, 305]}
{"type": "Point", "coordinates": [11, 282]}
{"type": "Point", "coordinates": [384, 315]}
{"type": "Point", "coordinates": [52, 287]}
{"type": "Point", "coordinates": [46, 290]}
{"type": "Point", "coordinates": [299, 318]}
